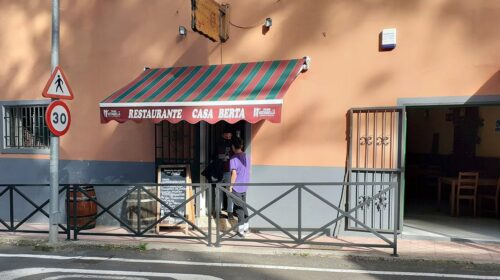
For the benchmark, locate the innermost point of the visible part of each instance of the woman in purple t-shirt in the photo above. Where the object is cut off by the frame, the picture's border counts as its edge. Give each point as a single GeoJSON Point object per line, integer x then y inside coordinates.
{"type": "Point", "coordinates": [239, 165]}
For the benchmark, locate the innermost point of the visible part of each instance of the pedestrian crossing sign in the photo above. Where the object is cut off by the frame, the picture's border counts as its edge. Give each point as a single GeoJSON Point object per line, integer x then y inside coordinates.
{"type": "Point", "coordinates": [57, 86]}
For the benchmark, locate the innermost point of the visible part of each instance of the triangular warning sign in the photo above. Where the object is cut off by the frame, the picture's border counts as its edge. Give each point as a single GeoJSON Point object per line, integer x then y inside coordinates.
{"type": "Point", "coordinates": [57, 86]}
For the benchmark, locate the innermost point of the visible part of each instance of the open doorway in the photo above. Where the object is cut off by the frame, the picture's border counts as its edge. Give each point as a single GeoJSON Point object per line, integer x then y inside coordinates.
{"type": "Point", "coordinates": [442, 142]}
{"type": "Point", "coordinates": [216, 152]}
{"type": "Point", "coordinates": [215, 135]}
{"type": "Point", "coordinates": [196, 145]}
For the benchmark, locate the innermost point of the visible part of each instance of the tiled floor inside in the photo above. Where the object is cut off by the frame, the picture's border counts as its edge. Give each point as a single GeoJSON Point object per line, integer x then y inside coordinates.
{"type": "Point", "coordinates": [425, 221]}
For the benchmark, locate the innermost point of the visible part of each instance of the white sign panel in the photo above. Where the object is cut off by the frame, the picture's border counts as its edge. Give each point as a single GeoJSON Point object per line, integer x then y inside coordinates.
{"type": "Point", "coordinates": [57, 86]}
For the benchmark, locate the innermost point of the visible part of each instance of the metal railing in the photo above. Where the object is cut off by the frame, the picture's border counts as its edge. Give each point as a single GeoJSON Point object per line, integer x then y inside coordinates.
{"type": "Point", "coordinates": [296, 234]}
{"type": "Point", "coordinates": [14, 224]}
{"type": "Point", "coordinates": [138, 231]}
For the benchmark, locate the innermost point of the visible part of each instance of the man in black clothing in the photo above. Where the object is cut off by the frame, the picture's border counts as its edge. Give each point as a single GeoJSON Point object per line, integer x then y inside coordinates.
{"type": "Point", "coordinates": [224, 153]}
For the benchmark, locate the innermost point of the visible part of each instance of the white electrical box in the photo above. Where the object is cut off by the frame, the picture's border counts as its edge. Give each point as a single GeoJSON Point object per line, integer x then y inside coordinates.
{"type": "Point", "coordinates": [388, 38]}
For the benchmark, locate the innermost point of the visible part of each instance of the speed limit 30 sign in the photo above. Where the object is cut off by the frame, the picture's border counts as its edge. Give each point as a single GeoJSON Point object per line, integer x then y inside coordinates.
{"type": "Point", "coordinates": [58, 118]}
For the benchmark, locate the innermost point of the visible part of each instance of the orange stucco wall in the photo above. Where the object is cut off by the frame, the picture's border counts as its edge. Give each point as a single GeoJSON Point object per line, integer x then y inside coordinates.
{"type": "Point", "coordinates": [445, 48]}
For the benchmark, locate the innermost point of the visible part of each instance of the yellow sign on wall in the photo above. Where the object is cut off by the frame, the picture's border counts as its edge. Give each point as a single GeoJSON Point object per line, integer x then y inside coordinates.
{"type": "Point", "coordinates": [206, 18]}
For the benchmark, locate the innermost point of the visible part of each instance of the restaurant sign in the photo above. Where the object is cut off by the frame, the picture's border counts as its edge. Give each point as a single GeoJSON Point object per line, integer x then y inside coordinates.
{"type": "Point", "coordinates": [206, 16]}
{"type": "Point", "coordinates": [210, 19]}
{"type": "Point", "coordinates": [194, 114]}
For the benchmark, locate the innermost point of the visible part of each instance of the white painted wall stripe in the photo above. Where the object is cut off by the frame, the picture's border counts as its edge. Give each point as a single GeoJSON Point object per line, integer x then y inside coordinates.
{"type": "Point", "coordinates": [257, 266]}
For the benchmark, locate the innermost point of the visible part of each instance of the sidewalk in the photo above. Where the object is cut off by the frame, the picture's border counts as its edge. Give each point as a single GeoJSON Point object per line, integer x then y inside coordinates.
{"type": "Point", "coordinates": [407, 249]}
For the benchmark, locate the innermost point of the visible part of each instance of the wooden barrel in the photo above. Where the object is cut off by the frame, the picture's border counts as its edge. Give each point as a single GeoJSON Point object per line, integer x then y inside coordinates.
{"type": "Point", "coordinates": [86, 209]}
{"type": "Point", "coordinates": [147, 208]}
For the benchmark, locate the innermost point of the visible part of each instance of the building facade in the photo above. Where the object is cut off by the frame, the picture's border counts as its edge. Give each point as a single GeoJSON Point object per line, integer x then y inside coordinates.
{"type": "Point", "coordinates": [446, 55]}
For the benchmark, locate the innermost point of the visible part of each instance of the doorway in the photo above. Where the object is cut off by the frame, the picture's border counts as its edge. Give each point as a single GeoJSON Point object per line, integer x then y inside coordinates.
{"type": "Point", "coordinates": [194, 144]}
{"type": "Point", "coordinates": [214, 135]}
{"type": "Point", "coordinates": [441, 142]}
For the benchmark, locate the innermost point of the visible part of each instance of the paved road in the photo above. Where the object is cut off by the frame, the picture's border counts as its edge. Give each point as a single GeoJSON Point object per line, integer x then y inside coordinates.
{"type": "Point", "coordinates": [24, 263]}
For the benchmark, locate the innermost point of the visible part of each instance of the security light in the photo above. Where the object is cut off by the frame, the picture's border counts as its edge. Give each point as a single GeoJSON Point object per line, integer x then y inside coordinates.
{"type": "Point", "coordinates": [182, 31]}
{"type": "Point", "coordinates": [268, 23]}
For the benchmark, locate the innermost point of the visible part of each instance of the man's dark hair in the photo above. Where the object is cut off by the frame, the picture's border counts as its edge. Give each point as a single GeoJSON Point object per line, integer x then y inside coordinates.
{"type": "Point", "coordinates": [237, 143]}
{"type": "Point", "coordinates": [227, 129]}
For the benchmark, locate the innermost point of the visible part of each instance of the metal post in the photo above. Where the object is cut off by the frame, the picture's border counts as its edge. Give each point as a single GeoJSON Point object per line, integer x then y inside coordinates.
{"type": "Point", "coordinates": [68, 219]}
{"type": "Point", "coordinates": [75, 221]}
{"type": "Point", "coordinates": [11, 198]}
{"type": "Point", "coordinates": [396, 220]}
{"type": "Point", "coordinates": [401, 150]}
{"type": "Point", "coordinates": [209, 215]}
{"type": "Point", "coordinates": [217, 215]}
{"type": "Point", "coordinates": [139, 211]}
{"type": "Point", "coordinates": [54, 140]}
{"type": "Point", "coordinates": [299, 190]}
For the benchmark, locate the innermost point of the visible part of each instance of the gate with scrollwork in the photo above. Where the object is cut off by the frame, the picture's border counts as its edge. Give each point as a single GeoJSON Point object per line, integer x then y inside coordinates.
{"type": "Point", "coordinates": [375, 155]}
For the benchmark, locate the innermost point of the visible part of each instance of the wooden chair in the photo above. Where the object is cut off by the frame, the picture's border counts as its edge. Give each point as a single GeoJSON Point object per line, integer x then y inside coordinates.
{"type": "Point", "coordinates": [494, 197]}
{"type": "Point", "coordinates": [467, 189]}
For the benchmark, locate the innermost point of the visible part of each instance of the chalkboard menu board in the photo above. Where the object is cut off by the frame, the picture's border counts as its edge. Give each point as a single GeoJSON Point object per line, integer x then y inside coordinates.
{"type": "Point", "coordinates": [173, 195]}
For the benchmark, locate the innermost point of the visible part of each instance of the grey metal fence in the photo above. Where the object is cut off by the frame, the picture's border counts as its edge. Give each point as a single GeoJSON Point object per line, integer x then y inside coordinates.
{"type": "Point", "coordinates": [18, 206]}
{"type": "Point", "coordinates": [144, 192]}
{"type": "Point", "coordinates": [305, 235]}
{"type": "Point", "coordinates": [295, 212]}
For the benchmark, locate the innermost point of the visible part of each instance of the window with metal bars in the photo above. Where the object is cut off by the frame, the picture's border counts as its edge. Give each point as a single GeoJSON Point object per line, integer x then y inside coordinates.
{"type": "Point", "coordinates": [24, 128]}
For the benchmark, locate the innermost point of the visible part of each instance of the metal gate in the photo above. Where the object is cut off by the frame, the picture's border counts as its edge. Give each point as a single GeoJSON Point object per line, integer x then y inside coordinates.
{"type": "Point", "coordinates": [375, 155]}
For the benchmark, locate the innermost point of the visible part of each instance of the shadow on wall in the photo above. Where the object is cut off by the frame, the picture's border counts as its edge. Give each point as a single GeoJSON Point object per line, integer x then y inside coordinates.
{"type": "Point", "coordinates": [491, 86]}
{"type": "Point", "coordinates": [24, 30]}
{"type": "Point", "coordinates": [125, 53]}
{"type": "Point", "coordinates": [120, 36]}
{"type": "Point", "coordinates": [291, 129]}
{"type": "Point", "coordinates": [122, 43]}
{"type": "Point", "coordinates": [328, 29]}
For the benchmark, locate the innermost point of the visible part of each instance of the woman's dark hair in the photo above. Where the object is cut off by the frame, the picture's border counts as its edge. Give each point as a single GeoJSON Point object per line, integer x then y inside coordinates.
{"type": "Point", "coordinates": [237, 142]}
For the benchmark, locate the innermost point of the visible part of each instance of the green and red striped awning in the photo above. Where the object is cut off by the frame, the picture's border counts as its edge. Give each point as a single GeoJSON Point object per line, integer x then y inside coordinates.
{"type": "Point", "coordinates": [230, 92]}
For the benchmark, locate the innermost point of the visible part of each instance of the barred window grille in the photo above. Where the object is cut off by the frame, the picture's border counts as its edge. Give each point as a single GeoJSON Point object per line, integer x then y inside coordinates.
{"type": "Point", "coordinates": [25, 127]}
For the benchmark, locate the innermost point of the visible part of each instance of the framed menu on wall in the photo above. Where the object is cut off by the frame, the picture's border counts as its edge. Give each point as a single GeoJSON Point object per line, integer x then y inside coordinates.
{"type": "Point", "coordinates": [174, 194]}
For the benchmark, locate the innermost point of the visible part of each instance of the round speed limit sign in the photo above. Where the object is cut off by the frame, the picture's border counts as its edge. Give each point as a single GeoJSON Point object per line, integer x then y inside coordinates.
{"type": "Point", "coordinates": [58, 118]}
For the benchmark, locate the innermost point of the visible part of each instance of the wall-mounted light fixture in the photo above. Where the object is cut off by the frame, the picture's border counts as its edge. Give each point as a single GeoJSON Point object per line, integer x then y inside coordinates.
{"type": "Point", "coordinates": [268, 23]}
{"type": "Point", "coordinates": [306, 65]}
{"type": "Point", "coordinates": [182, 31]}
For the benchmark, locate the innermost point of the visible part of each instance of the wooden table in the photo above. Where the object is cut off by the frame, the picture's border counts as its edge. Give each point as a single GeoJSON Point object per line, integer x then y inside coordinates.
{"type": "Point", "coordinates": [453, 182]}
